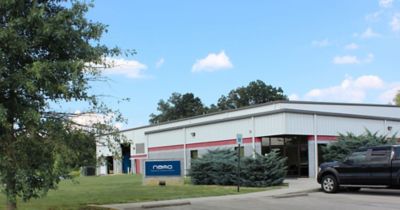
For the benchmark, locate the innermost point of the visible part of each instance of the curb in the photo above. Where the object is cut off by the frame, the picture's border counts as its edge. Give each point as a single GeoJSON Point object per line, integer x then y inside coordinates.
{"type": "Point", "coordinates": [189, 201]}
{"type": "Point", "coordinates": [158, 205]}
{"type": "Point", "coordinates": [290, 195]}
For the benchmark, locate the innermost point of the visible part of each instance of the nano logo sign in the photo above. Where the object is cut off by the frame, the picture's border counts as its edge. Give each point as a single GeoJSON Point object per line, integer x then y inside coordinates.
{"type": "Point", "coordinates": [162, 167]}
{"type": "Point", "coordinates": [155, 168]}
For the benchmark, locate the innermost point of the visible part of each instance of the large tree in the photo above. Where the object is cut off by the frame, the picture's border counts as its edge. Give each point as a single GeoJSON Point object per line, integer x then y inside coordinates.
{"type": "Point", "coordinates": [49, 53]}
{"type": "Point", "coordinates": [256, 92]}
{"type": "Point", "coordinates": [178, 106]}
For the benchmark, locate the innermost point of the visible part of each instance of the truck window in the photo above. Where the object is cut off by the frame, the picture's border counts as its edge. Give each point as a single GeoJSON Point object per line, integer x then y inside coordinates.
{"type": "Point", "coordinates": [358, 156]}
{"type": "Point", "coordinates": [397, 153]}
{"type": "Point", "coordinates": [380, 154]}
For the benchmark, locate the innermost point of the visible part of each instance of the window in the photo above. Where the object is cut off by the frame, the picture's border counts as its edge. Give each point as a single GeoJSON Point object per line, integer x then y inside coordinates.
{"type": "Point", "coordinates": [397, 153]}
{"type": "Point", "coordinates": [358, 156]}
{"type": "Point", "coordinates": [241, 151]}
{"type": "Point", "coordinates": [140, 148]}
{"type": "Point", "coordinates": [380, 154]}
{"type": "Point", "coordinates": [194, 154]}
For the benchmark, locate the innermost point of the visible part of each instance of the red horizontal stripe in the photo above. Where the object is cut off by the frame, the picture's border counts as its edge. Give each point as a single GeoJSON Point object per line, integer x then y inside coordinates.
{"type": "Point", "coordinates": [211, 144]}
{"type": "Point", "coordinates": [323, 138]}
{"type": "Point", "coordinates": [204, 144]}
{"type": "Point", "coordinates": [139, 156]}
{"type": "Point", "coordinates": [171, 147]}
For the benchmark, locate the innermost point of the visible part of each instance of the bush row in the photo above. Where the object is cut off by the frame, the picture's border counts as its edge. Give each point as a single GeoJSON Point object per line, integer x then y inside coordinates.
{"type": "Point", "coordinates": [219, 167]}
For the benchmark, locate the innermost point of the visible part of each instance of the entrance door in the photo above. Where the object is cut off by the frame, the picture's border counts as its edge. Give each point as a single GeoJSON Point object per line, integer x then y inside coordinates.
{"type": "Point", "coordinates": [126, 158]}
{"type": "Point", "coordinates": [293, 158]}
{"type": "Point", "coordinates": [137, 166]}
{"type": "Point", "coordinates": [294, 148]}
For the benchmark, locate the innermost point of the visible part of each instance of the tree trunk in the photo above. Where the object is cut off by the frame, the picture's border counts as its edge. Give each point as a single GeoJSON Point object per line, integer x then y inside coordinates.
{"type": "Point", "coordinates": [11, 192]}
{"type": "Point", "coordinates": [11, 203]}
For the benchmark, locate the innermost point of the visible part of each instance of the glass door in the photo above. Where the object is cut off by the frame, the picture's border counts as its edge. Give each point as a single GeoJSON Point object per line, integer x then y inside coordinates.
{"type": "Point", "coordinates": [294, 148]}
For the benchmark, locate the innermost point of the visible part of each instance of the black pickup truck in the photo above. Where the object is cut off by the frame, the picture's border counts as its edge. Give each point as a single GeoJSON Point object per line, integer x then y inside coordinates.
{"type": "Point", "coordinates": [367, 167]}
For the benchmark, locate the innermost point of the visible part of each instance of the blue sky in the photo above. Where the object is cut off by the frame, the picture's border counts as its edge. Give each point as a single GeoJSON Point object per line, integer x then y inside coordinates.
{"type": "Point", "coordinates": [343, 51]}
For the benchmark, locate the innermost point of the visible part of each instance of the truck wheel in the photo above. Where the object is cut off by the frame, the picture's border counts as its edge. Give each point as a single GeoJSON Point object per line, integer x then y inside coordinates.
{"type": "Point", "coordinates": [329, 184]}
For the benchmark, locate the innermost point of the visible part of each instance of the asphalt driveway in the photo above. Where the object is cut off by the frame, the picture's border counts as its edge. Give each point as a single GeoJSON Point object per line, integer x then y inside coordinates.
{"type": "Point", "coordinates": [364, 200]}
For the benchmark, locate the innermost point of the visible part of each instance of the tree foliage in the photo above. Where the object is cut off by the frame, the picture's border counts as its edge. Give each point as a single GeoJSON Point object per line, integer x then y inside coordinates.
{"type": "Point", "coordinates": [256, 92]}
{"type": "Point", "coordinates": [220, 167]}
{"type": "Point", "coordinates": [49, 52]}
{"type": "Point", "coordinates": [178, 106]}
{"type": "Point", "coordinates": [263, 171]}
{"type": "Point", "coordinates": [397, 99]}
{"type": "Point", "coordinates": [348, 143]}
{"type": "Point", "coordinates": [216, 167]}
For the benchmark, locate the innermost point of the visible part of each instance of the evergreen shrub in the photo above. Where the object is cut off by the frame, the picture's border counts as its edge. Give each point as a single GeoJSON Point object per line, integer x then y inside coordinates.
{"type": "Point", "coordinates": [219, 167]}
{"type": "Point", "coordinates": [349, 142]}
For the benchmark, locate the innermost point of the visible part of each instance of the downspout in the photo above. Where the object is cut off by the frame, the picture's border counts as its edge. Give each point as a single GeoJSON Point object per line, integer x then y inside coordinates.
{"type": "Point", "coordinates": [253, 136]}
{"type": "Point", "coordinates": [184, 152]}
{"type": "Point", "coordinates": [315, 146]}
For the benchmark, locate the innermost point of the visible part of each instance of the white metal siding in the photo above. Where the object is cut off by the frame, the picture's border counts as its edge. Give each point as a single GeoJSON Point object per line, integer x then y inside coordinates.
{"type": "Point", "coordinates": [166, 138]}
{"type": "Point", "coordinates": [299, 124]}
{"type": "Point", "coordinates": [327, 125]}
{"type": "Point", "coordinates": [376, 111]}
{"type": "Point", "coordinates": [395, 127]}
{"type": "Point", "coordinates": [219, 131]}
{"type": "Point", "coordinates": [270, 125]}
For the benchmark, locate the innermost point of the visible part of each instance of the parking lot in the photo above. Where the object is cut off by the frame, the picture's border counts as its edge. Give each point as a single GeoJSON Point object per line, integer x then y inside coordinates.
{"type": "Point", "coordinates": [366, 199]}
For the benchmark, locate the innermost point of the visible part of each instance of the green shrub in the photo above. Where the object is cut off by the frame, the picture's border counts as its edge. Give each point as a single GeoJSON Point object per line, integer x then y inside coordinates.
{"type": "Point", "coordinates": [348, 143]}
{"type": "Point", "coordinates": [220, 167]}
{"type": "Point", "coordinates": [263, 171]}
{"type": "Point", "coordinates": [215, 167]}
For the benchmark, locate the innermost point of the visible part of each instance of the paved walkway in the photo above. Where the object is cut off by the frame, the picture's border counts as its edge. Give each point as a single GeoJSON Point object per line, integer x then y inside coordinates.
{"type": "Point", "coordinates": [296, 186]}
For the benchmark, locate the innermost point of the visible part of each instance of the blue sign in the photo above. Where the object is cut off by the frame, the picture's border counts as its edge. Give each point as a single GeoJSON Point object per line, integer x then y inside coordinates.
{"type": "Point", "coordinates": [239, 138]}
{"type": "Point", "coordinates": [163, 168]}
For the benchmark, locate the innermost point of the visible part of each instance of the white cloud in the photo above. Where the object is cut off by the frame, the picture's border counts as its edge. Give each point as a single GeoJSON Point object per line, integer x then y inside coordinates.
{"type": "Point", "coordinates": [370, 57]}
{"type": "Point", "coordinates": [367, 34]}
{"type": "Point", "coordinates": [213, 62]}
{"type": "Point", "coordinates": [349, 90]}
{"type": "Point", "coordinates": [129, 68]}
{"type": "Point", "coordinates": [388, 95]}
{"type": "Point", "coordinates": [160, 63]}
{"type": "Point", "coordinates": [385, 3]}
{"type": "Point", "coordinates": [368, 82]}
{"type": "Point", "coordinates": [321, 43]}
{"type": "Point", "coordinates": [374, 16]}
{"type": "Point", "coordinates": [346, 59]}
{"type": "Point", "coordinates": [86, 120]}
{"type": "Point", "coordinates": [395, 23]}
{"type": "Point", "coordinates": [351, 46]}
{"type": "Point", "coordinates": [294, 97]}
{"type": "Point", "coordinates": [352, 59]}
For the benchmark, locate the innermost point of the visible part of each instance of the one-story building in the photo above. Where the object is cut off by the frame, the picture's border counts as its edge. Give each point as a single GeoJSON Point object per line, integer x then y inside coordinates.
{"type": "Point", "coordinates": [297, 129]}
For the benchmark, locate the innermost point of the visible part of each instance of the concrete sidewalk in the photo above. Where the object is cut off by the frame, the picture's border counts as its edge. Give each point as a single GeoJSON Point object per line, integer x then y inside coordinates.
{"type": "Point", "coordinates": [295, 186]}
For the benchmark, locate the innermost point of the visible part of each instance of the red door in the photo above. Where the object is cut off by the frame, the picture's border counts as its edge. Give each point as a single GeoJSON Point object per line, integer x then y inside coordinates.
{"type": "Point", "coordinates": [137, 166]}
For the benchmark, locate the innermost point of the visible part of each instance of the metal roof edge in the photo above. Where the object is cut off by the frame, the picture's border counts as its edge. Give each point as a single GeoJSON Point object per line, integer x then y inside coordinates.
{"type": "Point", "coordinates": [259, 105]}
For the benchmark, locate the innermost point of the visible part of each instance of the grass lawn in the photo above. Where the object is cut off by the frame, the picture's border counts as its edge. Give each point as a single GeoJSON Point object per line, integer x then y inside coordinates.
{"type": "Point", "coordinates": [118, 189]}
